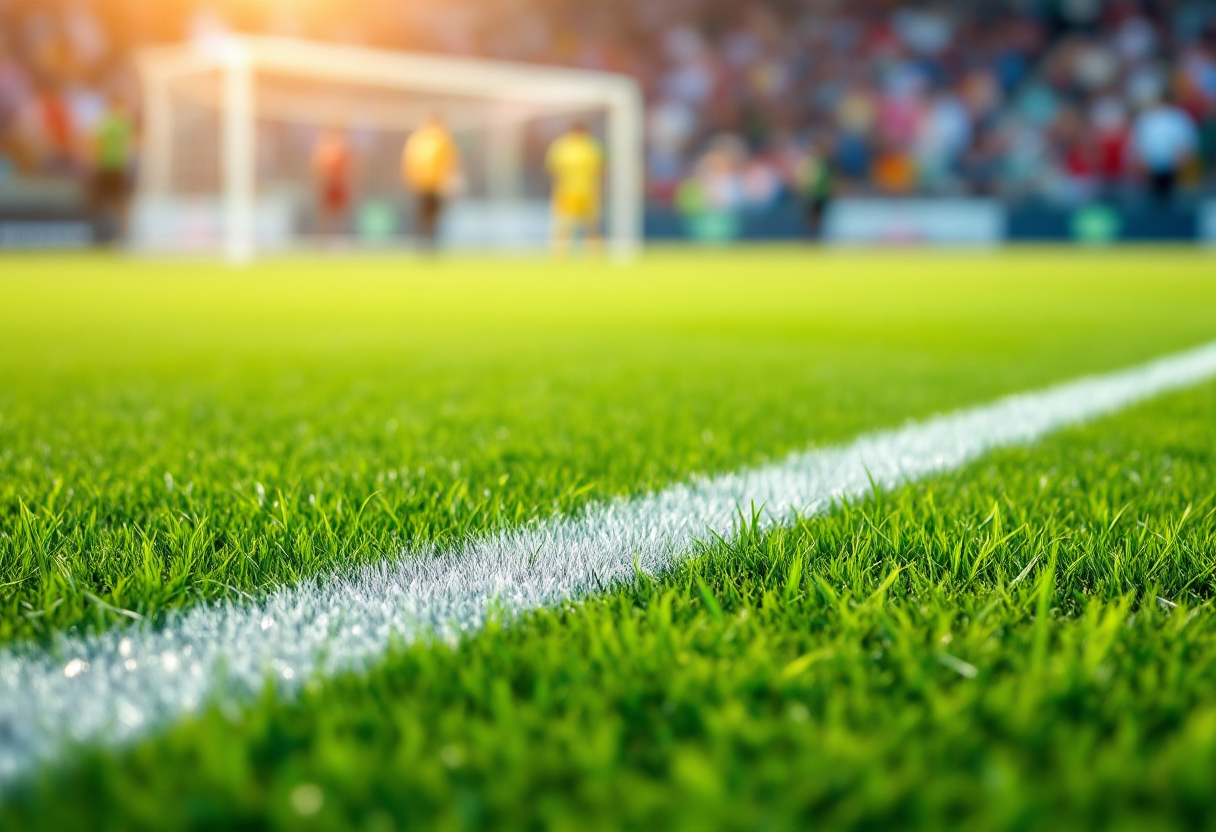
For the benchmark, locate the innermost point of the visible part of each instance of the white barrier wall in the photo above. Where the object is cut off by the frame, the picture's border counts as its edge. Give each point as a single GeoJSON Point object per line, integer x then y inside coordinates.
{"type": "Point", "coordinates": [940, 222]}
{"type": "Point", "coordinates": [491, 224]}
{"type": "Point", "coordinates": [196, 224]}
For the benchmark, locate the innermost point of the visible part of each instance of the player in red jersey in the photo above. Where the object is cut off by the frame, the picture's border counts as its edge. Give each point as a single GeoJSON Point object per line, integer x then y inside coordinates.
{"type": "Point", "coordinates": [331, 163]}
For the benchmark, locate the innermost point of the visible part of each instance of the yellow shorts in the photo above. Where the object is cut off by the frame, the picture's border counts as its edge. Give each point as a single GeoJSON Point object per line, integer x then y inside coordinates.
{"type": "Point", "coordinates": [581, 207]}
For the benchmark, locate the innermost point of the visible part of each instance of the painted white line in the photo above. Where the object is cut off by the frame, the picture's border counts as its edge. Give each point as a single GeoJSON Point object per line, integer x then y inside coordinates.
{"type": "Point", "coordinates": [115, 687]}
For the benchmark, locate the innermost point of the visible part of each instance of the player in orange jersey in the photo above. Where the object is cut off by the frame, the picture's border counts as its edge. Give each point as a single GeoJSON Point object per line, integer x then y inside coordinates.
{"type": "Point", "coordinates": [430, 166]}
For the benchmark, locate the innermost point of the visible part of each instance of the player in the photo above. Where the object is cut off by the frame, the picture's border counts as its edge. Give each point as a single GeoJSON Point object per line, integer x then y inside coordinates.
{"type": "Point", "coordinates": [576, 165]}
{"type": "Point", "coordinates": [331, 162]}
{"type": "Point", "coordinates": [430, 166]}
{"type": "Point", "coordinates": [813, 185]}
{"type": "Point", "coordinates": [110, 191]}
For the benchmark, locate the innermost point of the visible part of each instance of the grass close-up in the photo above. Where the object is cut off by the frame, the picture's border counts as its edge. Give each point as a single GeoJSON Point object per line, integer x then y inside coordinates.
{"type": "Point", "coordinates": [1024, 643]}
{"type": "Point", "coordinates": [171, 434]}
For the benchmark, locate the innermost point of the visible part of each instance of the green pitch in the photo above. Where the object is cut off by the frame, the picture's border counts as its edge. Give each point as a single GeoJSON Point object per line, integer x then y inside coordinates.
{"type": "Point", "coordinates": [986, 649]}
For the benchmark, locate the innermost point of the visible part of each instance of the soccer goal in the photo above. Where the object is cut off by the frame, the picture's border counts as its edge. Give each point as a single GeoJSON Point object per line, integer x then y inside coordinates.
{"type": "Point", "coordinates": [229, 130]}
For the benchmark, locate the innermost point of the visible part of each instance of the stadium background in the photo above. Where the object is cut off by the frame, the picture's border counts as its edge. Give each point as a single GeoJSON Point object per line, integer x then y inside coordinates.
{"type": "Point", "coordinates": [1024, 110]}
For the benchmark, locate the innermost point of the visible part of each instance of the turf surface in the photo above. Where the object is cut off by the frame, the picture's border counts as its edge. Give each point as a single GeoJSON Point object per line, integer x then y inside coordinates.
{"type": "Point", "coordinates": [1026, 644]}
{"type": "Point", "coordinates": [171, 434]}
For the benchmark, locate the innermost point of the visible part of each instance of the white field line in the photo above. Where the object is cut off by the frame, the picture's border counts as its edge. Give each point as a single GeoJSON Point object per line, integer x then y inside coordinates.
{"type": "Point", "coordinates": [115, 687]}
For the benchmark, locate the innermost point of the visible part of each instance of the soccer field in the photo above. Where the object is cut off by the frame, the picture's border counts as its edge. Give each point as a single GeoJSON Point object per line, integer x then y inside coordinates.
{"type": "Point", "coordinates": [1023, 642]}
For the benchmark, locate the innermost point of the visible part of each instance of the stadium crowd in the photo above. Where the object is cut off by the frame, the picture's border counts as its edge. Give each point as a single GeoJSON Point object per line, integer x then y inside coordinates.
{"type": "Point", "coordinates": [1062, 99]}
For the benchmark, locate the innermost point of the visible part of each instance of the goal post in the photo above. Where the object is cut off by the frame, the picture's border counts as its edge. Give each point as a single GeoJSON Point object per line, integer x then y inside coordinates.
{"type": "Point", "coordinates": [224, 163]}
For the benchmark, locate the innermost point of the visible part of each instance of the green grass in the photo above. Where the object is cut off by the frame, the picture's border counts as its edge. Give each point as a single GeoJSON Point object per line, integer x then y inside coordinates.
{"type": "Point", "coordinates": [176, 433]}
{"type": "Point", "coordinates": [1026, 644]}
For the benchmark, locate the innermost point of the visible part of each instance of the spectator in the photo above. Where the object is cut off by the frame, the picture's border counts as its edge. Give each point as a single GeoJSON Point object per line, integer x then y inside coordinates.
{"type": "Point", "coordinates": [895, 169]}
{"type": "Point", "coordinates": [1009, 99]}
{"type": "Point", "coordinates": [1163, 141]}
{"type": "Point", "coordinates": [53, 131]}
{"type": "Point", "coordinates": [1109, 133]}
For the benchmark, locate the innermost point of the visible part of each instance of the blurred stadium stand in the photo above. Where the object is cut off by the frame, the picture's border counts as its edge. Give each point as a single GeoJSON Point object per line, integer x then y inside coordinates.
{"type": "Point", "coordinates": [1040, 106]}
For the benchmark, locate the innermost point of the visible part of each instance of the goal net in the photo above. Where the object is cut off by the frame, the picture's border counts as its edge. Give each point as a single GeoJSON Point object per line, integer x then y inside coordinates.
{"type": "Point", "coordinates": [230, 130]}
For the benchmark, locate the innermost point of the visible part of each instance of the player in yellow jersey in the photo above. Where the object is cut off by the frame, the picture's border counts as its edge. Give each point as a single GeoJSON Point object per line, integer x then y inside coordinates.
{"type": "Point", "coordinates": [576, 165]}
{"type": "Point", "coordinates": [430, 166]}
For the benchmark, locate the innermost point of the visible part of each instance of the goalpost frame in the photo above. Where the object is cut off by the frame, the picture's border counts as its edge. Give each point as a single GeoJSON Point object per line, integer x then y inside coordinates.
{"type": "Point", "coordinates": [239, 59]}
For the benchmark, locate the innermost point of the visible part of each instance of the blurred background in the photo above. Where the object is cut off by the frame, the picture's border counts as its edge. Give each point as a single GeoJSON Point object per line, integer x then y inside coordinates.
{"type": "Point", "coordinates": [853, 120]}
